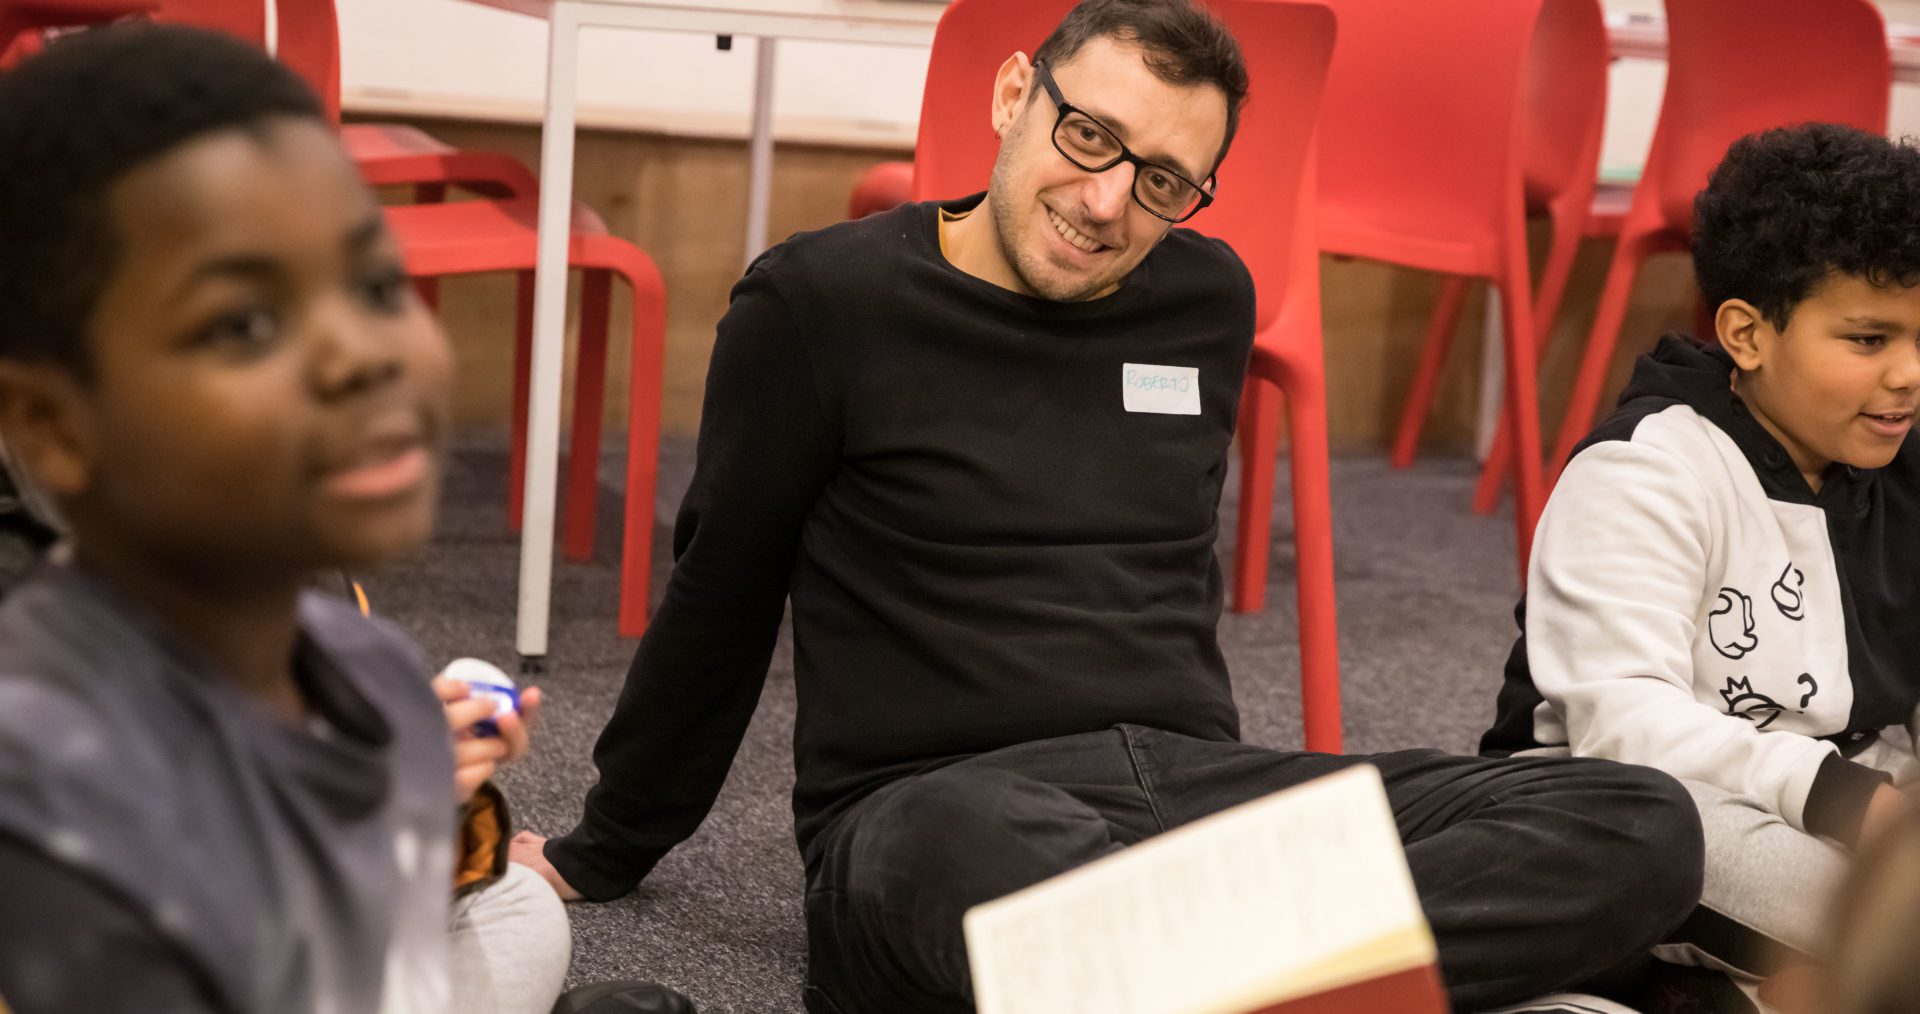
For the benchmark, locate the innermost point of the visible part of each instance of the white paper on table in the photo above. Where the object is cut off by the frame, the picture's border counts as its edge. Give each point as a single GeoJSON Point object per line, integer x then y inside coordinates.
{"type": "Point", "coordinates": [1292, 894]}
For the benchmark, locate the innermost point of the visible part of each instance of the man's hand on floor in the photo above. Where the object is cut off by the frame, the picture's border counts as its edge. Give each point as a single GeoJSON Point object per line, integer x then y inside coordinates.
{"type": "Point", "coordinates": [529, 850]}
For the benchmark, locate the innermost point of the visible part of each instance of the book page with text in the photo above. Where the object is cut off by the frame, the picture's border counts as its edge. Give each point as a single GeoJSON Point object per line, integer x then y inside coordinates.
{"type": "Point", "coordinates": [1292, 894]}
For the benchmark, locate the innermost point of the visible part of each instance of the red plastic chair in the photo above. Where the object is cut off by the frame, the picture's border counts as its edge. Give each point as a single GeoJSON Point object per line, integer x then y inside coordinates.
{"type": "Point", "coordinates": [1565, 111]}
{"type": "Point", "coordinates": [954, 148]}
{"type": "Point", "coordinates": [18, 16]}
{"type": "Point", "coordinates": [886, 185]}
{"type": "Point", "coordinates": [397, 154]}
{"type": "Point", "coordinates": [485, 236]}
{"type": "Point", "coordinates": [971, 42]}
{"type": "Point", "coordinates": [1265, 210]}
{"type": "Point", "coordinates": [22, 21]}
{"type": "Point", "coordinates": [1257, 211]}
{"type": "Point", "coordinates": [469, 237]}
{"type": "Point", "coordinates": [1735, 67]}
{"type": "Point", "coordinates": [307, 39]}
{"type": "Point", "coordinates": [1424, 162]}
{"type": "Point", "coordinates": [387, 154]}
{"type": "Point", "coordinates": [390, 154]}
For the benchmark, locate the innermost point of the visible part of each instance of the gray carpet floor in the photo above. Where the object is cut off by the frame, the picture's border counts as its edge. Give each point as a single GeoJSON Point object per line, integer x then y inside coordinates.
{"type": "Point", "coordinates": [1426, 592]}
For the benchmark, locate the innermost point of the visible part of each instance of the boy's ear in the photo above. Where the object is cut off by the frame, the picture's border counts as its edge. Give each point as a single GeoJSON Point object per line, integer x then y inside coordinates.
{"type": "Point", "coordinates": [1010, 87]}
{"type": "Point", "coordinates": [1739, 326]}
{"type": "Point", "coordinates": [44, 418]}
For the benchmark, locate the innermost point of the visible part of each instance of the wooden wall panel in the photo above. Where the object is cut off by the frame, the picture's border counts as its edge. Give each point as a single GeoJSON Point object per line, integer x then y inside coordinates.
{"type": "Point", "coordinates": [684, 202]}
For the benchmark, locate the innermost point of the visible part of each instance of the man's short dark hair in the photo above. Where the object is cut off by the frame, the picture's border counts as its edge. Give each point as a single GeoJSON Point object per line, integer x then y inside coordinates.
{"type": "Point", "coordinates": [76, 119]}
{"type": "Point", "coordinates": [1185, 45]}
{"type": "Point", "coordinates": [1787, 207]}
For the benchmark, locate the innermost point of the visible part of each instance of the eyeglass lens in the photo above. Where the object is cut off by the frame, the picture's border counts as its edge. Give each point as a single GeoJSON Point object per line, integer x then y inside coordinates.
{"type": "Point", "coordinates": [1093, 147]}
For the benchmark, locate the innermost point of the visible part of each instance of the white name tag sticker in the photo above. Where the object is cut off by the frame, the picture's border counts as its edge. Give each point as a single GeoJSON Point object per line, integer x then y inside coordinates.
{"type": "Point", "coordinates": [1168, 390]}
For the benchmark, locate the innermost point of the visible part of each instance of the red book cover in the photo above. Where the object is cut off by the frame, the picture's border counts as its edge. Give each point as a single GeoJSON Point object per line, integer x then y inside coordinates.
{"type": "Point", "coordinates": [1412, 991]}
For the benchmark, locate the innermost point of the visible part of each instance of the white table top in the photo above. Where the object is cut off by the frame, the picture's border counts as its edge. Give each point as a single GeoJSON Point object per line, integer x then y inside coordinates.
{"type": "Point", "coordinates": [784, 18]}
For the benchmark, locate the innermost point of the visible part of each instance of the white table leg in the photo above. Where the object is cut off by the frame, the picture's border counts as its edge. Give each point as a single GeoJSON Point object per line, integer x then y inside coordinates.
{"type": "Point", "coordinates": [1493, 378]}
{"type": "Point", "coordinates": [760, 164]}
{"type": "Point", "coordinates": [549, 334]}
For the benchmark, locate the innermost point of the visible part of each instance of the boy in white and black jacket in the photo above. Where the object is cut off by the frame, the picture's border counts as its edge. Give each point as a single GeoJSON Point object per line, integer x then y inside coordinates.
{"type": "Point", "coordinates": [1722, 584]}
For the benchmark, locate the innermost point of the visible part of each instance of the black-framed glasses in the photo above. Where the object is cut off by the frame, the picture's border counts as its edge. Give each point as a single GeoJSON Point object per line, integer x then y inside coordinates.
{"type": "Point", "coordinates": [1091, 145]}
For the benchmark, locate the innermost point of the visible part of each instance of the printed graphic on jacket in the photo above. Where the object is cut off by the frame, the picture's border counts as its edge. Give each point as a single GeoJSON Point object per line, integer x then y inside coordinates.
{"type": "Point", "coordinates": [1786, 592]}
{"type": "Point", "coordinates": [1730, 627]}
{"type": "Point", "coordinates": [1743, 701]}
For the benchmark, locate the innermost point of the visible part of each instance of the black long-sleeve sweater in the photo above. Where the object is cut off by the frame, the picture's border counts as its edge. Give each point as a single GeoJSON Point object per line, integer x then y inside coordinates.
{"type": "Point", "coordinates": [982, 544]}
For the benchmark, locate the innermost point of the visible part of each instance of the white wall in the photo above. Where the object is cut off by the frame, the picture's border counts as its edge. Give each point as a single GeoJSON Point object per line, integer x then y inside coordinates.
{"type": "Point", "coordinates": [423, 53]}
{"type": "Point", "coordinates": [454, 50]}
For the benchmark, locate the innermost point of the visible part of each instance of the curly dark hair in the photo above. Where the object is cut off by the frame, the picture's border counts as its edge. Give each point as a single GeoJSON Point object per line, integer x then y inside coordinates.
{"type": "Point", "coordinates": [76, 119]}
{"type": "Point", "coordinates": [1185, 45]}
{"type": "Point", "coordinates": [1789, 206]}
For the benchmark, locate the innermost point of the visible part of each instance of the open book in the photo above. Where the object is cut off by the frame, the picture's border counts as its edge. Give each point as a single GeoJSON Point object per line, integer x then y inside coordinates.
{"type": "Point", "coordinates": [1296, 903]}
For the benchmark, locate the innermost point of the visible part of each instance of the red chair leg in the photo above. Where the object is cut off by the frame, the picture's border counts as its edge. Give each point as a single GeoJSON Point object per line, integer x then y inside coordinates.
{"type": "Point", "coordinates": [1584, 400]}
{"type": "Point", "coordinates": [522, 381]}
{"type": "Point", "coordinates": [1493, 471]}
{"type": "Point", "coordinates": [643, 447]}
{"type": "Point", "coordinates": [589, 400]}
{"type": "Point", "coordinates": [429, 288]}
{"type": "Point", "coordinates": [1313, 548]}
{"type": "Point", "coordinates": [1259, 447]}
{"type": "Point", "coordinates": [1426, 376]}
{"type": "Point", "coordinates": [1523, 405]}
{"type": "Point", "coordinates": [1568, 229]}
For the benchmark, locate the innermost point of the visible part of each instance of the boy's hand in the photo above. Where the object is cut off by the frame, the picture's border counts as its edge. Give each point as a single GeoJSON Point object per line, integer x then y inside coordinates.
{"type": "Point", "coordinates": [475, 757]}
{"type": "Point", "coordinates": [530, 850]}
{"type": "Point", "coordinates": [1887, 806]}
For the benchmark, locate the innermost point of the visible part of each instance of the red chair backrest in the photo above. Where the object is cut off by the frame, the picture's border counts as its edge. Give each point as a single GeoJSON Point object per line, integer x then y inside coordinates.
{"type": "Point", "coordinates": [1263, 206]}
{"type": "Point", "coordinates": [22, 20]}
{"type": "Point", "coordinates": [308, 40]}
{"type": "Point", "coordinates": [1735, 66]}
{"type": "Point", "coordinates": [1564, 99]}
{"type": "Point", "coordinates": [246, 19]}
{"type": "Point", "coordinates": [1420, 133]}
{"type": "Point", "coordinates": [953, 155]}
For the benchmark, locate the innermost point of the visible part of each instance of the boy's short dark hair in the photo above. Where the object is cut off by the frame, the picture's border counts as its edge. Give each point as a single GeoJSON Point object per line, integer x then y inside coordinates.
{"type": "Point", "coordinates": [1185, 45]}
{"type": "Point", "coordinates": [77, 118]}
{"type": "Point", "coordinates": [1789, 206]}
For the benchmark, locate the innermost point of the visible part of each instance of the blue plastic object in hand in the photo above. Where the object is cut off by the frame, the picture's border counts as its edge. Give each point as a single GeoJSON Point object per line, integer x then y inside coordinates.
{"type": "Point", "coordinates": [484, 679]}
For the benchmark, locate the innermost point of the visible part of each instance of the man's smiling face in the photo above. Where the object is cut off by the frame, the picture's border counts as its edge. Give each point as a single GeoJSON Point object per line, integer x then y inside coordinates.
{"type": "Point", "coordinates": [1068, 234]}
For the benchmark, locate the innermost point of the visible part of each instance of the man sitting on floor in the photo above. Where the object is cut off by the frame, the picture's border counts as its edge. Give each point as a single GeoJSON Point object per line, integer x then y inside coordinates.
{"type": "Point", "coordinates": [1003, 581]}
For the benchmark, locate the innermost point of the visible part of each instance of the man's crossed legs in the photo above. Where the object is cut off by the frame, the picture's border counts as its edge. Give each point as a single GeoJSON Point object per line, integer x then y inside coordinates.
{"type": "Point", "coordinates": [1536, 874]}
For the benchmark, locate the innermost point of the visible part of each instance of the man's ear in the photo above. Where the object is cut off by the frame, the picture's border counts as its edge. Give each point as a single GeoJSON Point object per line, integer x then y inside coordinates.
{"type": "Point", "coordinates": [44, 415]}
{"type": "Point", "coordinates": [1744, 332]}
{"type": "Point", "coordinates": [1010, 87]}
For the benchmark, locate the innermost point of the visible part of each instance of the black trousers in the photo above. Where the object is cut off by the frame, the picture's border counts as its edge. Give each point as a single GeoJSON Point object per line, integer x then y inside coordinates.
{"type": "Point", "coordinates": [1535, 874]}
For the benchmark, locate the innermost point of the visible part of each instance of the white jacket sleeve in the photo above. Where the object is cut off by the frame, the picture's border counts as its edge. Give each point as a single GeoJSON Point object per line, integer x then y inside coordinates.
{"type": "Point", "coordinates": [1616, 581]}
